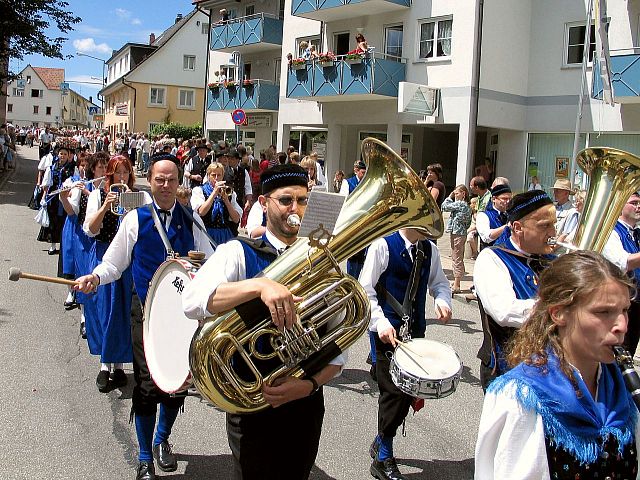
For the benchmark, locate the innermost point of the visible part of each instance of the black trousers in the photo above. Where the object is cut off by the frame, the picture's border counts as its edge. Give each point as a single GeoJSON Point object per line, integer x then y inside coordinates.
{"type": "Point", "coordinates": [632, 336]}
{"type": "Point", "coordinates": [277, 443]}
{"type": "Point", "coordinates": [146, 395]}
{"type": "Point", "coordinates": [393, 404]}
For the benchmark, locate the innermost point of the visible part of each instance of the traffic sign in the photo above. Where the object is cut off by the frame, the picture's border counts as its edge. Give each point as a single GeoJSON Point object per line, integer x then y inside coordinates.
{"type": "Point", "coordinates": [238, 116]}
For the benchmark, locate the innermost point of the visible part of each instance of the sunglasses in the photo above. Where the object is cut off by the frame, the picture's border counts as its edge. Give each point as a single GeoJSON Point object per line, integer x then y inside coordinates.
{"type": "Point", "coordinates": [287, 200]}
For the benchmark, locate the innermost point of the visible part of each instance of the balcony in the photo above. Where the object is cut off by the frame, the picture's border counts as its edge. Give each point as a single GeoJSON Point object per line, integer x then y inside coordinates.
{"type": "Point", "coordinates": [257, 96]}
{"type": "Point", "coordinates": [375, 77]}
{"type": "Point", "coordinates": [251, 34]}
{"type": "Point", "coordinates": [331, 10]}
{"type": "Point", "coordinates": [625, 77]}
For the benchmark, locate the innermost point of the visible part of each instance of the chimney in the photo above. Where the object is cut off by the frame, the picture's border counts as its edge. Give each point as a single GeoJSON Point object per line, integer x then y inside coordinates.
{"type": "Point", "coordinates": [90, 99]}
{"type": "Point", "coordinates": [178, 17]}
{"type": "Point", "coordinates": [152, 38]}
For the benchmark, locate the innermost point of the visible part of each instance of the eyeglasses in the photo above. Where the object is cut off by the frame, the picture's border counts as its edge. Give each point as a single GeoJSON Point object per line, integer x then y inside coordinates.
{"type": "Point", "coordinates": [634, 204]}
{"type": "Point", "coordinates": [287, 200]}
{"type": "Point", "coordinates": [161, 181]}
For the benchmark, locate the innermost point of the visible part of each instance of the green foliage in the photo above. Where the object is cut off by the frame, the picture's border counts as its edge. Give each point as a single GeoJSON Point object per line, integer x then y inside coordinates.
{"type": "Point", "coordinates": [177, 130]}
{"type": "Point", "coordinates": [23, 30]}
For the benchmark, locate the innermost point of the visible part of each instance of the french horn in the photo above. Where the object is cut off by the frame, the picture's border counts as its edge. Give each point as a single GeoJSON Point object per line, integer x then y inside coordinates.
{"type": "Point", "coordinates": [390, 197]}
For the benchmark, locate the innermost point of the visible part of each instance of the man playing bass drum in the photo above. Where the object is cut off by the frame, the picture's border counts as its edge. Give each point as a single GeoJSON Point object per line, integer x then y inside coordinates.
{"type": "Point", "coordinates": [279, 443]}
{"type": "Point", "coordinates": [389, 266]}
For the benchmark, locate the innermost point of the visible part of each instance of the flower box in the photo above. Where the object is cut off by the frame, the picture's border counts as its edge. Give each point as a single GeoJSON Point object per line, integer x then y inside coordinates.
{"type": "Point", "coordinates": [298, 66]}
{"type": "Point", "coordinates": [353, 60]}
{"type": "Point", "coordinates": [325, 63]}
{"type": "Point", "coordinates": [214, 86]}
{"type": "Point", "coordinates": [231, 85]}
{"type": "Point", "coordinates": [247, 83]}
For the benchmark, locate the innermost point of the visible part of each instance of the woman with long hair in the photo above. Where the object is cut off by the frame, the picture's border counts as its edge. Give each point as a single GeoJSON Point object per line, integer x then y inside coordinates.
{"type": "Point", "coordinates": [563, 410]}
{"type": "Point", "coordinates": [110, 335]}
{"type": "Point", "coordinates": [459, 222]}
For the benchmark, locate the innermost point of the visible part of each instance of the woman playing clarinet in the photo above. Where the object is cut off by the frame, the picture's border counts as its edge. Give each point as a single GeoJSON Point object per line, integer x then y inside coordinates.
{"type": "Point", "coordinates": [563, 411]}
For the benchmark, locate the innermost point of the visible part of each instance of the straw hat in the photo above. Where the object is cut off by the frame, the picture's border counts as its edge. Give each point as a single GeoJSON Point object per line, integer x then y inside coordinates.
{"type": "Point", "coordinates": [563, 184]}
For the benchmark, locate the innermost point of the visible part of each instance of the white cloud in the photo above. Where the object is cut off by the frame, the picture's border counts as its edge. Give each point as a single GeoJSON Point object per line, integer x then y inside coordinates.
{"type": "Point", "coordinates": [88, 45]}
{"type": "Point", "coordinates": [123, 14]}
{"type": "Point", "coordinates": [136, 21]}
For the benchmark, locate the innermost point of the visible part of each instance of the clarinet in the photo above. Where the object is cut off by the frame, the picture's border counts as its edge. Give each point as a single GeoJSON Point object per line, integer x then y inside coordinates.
{"type": "Point", "coordinates": [631, 378]}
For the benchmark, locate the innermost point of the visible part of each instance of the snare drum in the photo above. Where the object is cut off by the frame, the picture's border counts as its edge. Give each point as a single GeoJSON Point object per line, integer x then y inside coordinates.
{"type": "Point", "coordinates": [167, 332]}
{"type": "Point", "coordinates": [425, 368]}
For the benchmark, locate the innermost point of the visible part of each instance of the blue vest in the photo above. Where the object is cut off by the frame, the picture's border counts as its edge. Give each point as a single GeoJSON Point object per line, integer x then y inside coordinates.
{"type": "Point", "coordinates": [149, 253]}
{"type": "Point", "coordinates": [629, 245]}
{"type": "Point", "coordinates": [353, 183]}
{"type": "Point", "coordinates": [395, 279]}
{"type": "Point", "coordinates": [255, 260]}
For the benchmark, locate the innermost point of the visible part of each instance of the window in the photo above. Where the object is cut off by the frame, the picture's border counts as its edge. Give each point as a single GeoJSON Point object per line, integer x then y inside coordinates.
{"type": "Point", "coordinates": [247, 71]}
{"type": "Point", "coordinates": [393, 40]}
{"type": "Point", "coordinates": [28, 78]}
{"type": "Point", "coordinates": [575, 43]}
{"type": "Point", "coordinates": [435, 38]}
{"type": "Point", "coordinates": [48, 112]}
{"type": "Point", "coordinates": [315, 41]}
{"type": "Point", "coordinates": [205, 28]}
{"type": "Point", "coordinates": [9, 107]}
{"type": "Point", "coordinates": [249, 10]}
{"type": "Point", "coordinates": [186, 99]}
{"type": "Point", "coordinates": [35, 93]}
{"type": "Point", "coordinates": [153, 125]}
{"type": "Point", "coordinates": [156, 96]}
{"type": "Point", "coordinates": [227, 73]}
{"type": "Point", "coordinates": [36, 109]}
{"type": "Point", "coordinates": [277, 66]}
{"type": "Point", "coordinates": [281, 14]}
{"type": "Point", "coordinates": [189, 62]}
{"type": "Point", "coordinates": [340, 43]}
{"type": "Point", "coordinates": [18, 92]}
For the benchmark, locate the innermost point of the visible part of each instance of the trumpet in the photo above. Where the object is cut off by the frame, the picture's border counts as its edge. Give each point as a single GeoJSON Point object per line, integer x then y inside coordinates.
{"type": "Point", "coordinates": [74, 185]}
{"type": "Point", "coordinates": [228, 190]}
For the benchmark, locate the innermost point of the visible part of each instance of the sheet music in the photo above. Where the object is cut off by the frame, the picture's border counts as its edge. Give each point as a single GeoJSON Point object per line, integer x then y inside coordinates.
{"type": "Point", "coordinates": [323, 208]}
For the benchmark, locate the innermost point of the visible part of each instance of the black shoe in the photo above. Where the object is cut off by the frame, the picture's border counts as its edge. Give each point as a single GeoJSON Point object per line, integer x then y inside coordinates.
{"type": "Point", "coordinates": [167, 461]}
{"type": "Point", "coordinates": [369, 360]}
{"type": "Point", "coordinates": [372, 372]}
{"type": "Point", "coordinates": [146, 471]}
{"type": "Point", "coordinates": [119, 378]}
{"type": "Point", "coordinates": [71, 305]}
{"type": "Point", "coordinates": [386, 470]}
{"type": "Point", "coordinates": [373, 449]}
{"type": "Point", "coordinates": [102, 381]}
{"type": "Point", "coordinates": [83, 330]}
{"type": "Point", "coordinates": [53, 251]}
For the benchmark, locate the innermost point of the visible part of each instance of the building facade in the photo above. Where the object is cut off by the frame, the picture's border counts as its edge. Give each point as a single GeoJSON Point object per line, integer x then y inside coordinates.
{"type": "Point", "coordinates": [486, 88]}
{"type": "Point", "coordinates": [161, 82]}
{"type": "Point", "coordinates": [35, 97]}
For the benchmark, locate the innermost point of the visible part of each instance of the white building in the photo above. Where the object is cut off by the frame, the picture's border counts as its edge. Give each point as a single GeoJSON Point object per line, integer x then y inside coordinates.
{"type": "Point", "coordinates": [35, 97]}
{"type": "Point", "coordinates": [526, 56]}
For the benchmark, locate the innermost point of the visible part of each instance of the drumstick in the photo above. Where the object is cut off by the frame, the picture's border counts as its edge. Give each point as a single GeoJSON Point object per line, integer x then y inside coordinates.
{"type": "Point", "coordinates": [406, 345]}
{"type": "Point", "coordinates": [15, 274]}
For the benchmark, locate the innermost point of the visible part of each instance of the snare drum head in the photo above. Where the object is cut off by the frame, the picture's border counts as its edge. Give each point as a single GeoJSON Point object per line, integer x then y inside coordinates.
{"type": "Point", "coordinates": [436, 359]}
{"type": "Point", "coordinates": [167, 332]}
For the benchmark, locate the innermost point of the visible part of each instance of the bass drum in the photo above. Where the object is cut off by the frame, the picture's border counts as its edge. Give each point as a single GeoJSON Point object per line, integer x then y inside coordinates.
{"type": "Point", "coordinates": [167, 332]}
{"type": "Point", "coordinates": [425, 368]}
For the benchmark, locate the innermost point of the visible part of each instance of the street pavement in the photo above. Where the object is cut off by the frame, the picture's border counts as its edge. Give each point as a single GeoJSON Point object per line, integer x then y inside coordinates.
{"type": "Point", "coordinates": [56, 425]}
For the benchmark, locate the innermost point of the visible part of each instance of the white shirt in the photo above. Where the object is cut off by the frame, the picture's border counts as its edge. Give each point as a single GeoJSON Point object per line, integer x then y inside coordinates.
{"type": "Point", "coordinates": [320, 174]}
{"type": "Point", "coordinates": [227, 265]}
{"type": "Point", "coordinates": [562, 213]}
{"type": "Point", "coordinates": [344, 187]}
{"type": "Point", "coordinates": [45, 162]}
{"type": "Point", "coordinates": [255, 217]}
{"type": "Point", "coordinates": [197, 199]}
{"type": "Point", "coordinates": [146, 146]}
{"type": "Point", "coordinates": [118, 255]}
{"type": "Point", "coordinates": [47, 178]}
{"type": "Point", "coordinates": [495, 290]}
{"type": "Point", "coordinates": [376, 263]}
{"type": "Point", "coordinates": [483, 227]}
{"type": "Point", "coordinates": [615, 252]}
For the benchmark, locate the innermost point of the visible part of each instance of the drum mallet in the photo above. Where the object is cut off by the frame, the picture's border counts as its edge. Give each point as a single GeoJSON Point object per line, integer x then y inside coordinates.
{"type": "Point", "coordinates": [16, 274]}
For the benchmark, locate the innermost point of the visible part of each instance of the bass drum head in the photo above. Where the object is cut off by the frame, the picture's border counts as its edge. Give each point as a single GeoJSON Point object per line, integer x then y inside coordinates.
{"type": "Point", "coordinates": [167, 332]}
{"type": "Point", "coordinates": [432, 360]}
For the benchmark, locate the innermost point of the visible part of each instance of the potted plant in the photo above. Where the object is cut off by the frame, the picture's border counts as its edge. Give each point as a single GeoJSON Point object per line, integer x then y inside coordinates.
{"type": "Point", "coordinates": [326, 59]}
{"type": "Point", "coordinates": [298, 64]}
{"type": "Point", "coordinates": [214, 86]}
{"type": "Point", "coordinates": [247, 83]}
{"type": "Point", "coordinates": [353, 58]}
{"type": "Point", "coordinates": [231, 84]}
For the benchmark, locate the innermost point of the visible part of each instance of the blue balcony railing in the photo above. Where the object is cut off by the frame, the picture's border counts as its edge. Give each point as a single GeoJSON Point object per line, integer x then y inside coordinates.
{"type": "Point", "coordinates": [248, 33]}
{"type": "Point", "coordinates": [330, 10]}
{"type": "Point", "coordinates": [375, 76]}
{"type": "Point", "coordinates": [625, 78]}
{"type": "Point", "coordinates": [257, 95]}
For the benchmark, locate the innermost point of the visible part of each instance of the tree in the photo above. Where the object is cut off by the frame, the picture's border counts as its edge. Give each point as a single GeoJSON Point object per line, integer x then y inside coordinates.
{"type": "Point", "coordinates": [177, 130]}
{"type": "Point", "coordinates": [23, 26]}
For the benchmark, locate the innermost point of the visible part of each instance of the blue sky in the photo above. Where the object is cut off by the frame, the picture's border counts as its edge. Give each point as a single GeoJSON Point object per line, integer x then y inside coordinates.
{"type": "Point", "coordinates": [105, 26]}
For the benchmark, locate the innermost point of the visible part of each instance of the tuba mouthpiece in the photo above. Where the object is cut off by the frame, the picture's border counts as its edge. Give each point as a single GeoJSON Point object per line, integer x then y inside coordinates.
{"type": "Point", "coordinates": [293, 220]}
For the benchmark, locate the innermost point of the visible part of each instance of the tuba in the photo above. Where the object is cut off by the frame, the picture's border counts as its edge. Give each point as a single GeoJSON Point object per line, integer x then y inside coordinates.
{"type": "Point", "coordinates": [613, 176]}
{"type": "Point", "coordinates": [390, 197]}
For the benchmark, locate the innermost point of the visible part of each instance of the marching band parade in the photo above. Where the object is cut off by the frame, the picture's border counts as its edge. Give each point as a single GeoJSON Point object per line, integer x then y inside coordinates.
{"type": "Point", "coordinates": [220, 310]}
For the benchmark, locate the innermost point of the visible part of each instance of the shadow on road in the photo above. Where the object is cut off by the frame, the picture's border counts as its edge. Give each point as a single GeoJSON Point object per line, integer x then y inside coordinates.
{"type": "Point", "coordinates": [460, 469]}
{"type": "Point", "coordinates": [468, 377]}
{"type": "Point", "coordinates": [355, 380]}
{"type": "Point", "coordinates": [466, 326]}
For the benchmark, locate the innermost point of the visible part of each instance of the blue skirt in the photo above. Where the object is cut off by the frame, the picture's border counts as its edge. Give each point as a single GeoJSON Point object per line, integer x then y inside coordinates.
{"type": "Point", "coordinates": [109, 334]}
{"type": "Point", "coordinates": [67, 247]}
{"type": "Point", "coordinates": [220, 235]}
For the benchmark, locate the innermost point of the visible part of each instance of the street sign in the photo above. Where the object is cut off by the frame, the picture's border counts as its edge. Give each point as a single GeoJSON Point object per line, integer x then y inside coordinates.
{"type": "Point", "coordinates": [21, 83]}
{"type": "Point", "coordinates": [98, 118]}
{"type": "Point", "coordinates": [239, 116]}
{"type": "Point", "coordinates": [93, 110]}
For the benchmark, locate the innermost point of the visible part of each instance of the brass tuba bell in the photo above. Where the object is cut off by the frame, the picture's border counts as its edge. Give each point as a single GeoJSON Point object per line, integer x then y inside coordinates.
{"type": "Point", "coordinates": [389, 197]}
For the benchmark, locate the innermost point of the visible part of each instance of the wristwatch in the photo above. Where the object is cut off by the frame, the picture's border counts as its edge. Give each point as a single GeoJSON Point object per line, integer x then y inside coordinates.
{"type": "Point", "coordinates": [316, 387]}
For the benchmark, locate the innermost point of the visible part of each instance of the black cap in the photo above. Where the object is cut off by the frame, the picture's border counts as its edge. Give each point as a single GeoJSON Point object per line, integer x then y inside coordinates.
{"type": "Point", "coordinates": [523, 204]}
{"type": "Point", "coordinates": [233, 153]}
{"type": "Point", "coordinates": [165, 156]}
{"type": "Point", "coordinates": [500, 189]}
{"type": "Point", "coordinates": [360, 165]}
{"type": "Point", "coordinates": [204, 145]}
{"type": "Point", "coordinates": [286, 175]}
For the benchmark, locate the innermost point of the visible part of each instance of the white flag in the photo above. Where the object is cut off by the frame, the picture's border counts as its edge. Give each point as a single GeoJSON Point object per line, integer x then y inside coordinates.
{"type": "Point", "coordinates": [602, 62]}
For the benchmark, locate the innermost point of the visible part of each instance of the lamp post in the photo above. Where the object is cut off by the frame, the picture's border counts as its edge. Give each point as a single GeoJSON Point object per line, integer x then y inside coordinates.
{"type": "Point", "coordinates": [104, 64]}
{"type": "Point", "coordinates": [236, 60]}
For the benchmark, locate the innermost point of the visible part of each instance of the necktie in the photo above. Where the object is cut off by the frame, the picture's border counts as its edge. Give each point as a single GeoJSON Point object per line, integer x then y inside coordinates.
{"type": "Point", "coordinates": [412, 251]}
{"type": "Point", "coordinates": [163, 216]}
{"type": "Point", "coordinates": [503, 218]}
{"type": "Point", "coordinates": [636, 236]}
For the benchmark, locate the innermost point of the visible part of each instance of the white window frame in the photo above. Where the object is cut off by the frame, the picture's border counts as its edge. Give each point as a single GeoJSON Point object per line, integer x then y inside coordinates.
{"type": "Point", "coordinates": [18, 92]}
{"type": "Point", "coordinates": [164, 96]}
{"type": "Point", "coordinates": [186, 61]}
{"type": "Point", "coordinates": [193, 97]}
{"type": "Point", "coordinates": [312, 40]}
{"type": "Point", "coordinates": [386, 28]}
{"type": "Point", "coordinates": [565, 51]}
{"type": "Point", "coordinates": [435, 57]}
{"type": "Point", "coordinates": [205, 28]}
{"type": "Point", "coordinates": [277, 70]}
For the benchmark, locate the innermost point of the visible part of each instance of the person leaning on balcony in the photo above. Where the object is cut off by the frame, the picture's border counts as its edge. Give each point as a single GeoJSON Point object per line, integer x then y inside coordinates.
{"type": "Point", "coordinates": [224, 15]}
{"type": "Point", "coordinates": [312, 52]}
{"type": "Point", "coordinates": [361, 44]}
{"type": "Point", "coordinates": [305, 50]}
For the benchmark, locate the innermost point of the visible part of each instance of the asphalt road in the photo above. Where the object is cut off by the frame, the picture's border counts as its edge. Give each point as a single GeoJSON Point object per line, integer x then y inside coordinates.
{"type": "Point", "coordinates": [56, 425]}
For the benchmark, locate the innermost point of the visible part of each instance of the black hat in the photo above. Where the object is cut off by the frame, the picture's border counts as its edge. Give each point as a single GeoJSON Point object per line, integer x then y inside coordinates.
{"type": "Point", "coordinates": [165, 156]}
{"type": "Point", "coordinates": [523, 204]}
{"type": "Point", "coordinates": [203, 145]}
{"type": "Point", "coordinates": [221, 153]}
{"type": "Point", "coordinates": [233, 153]}
{"type": "Point", "coordinates": [360, 165]}
{"type": "Point", "coordinates": [286, 175]}
{"type": "Point", "coordinates": [500, 189]}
